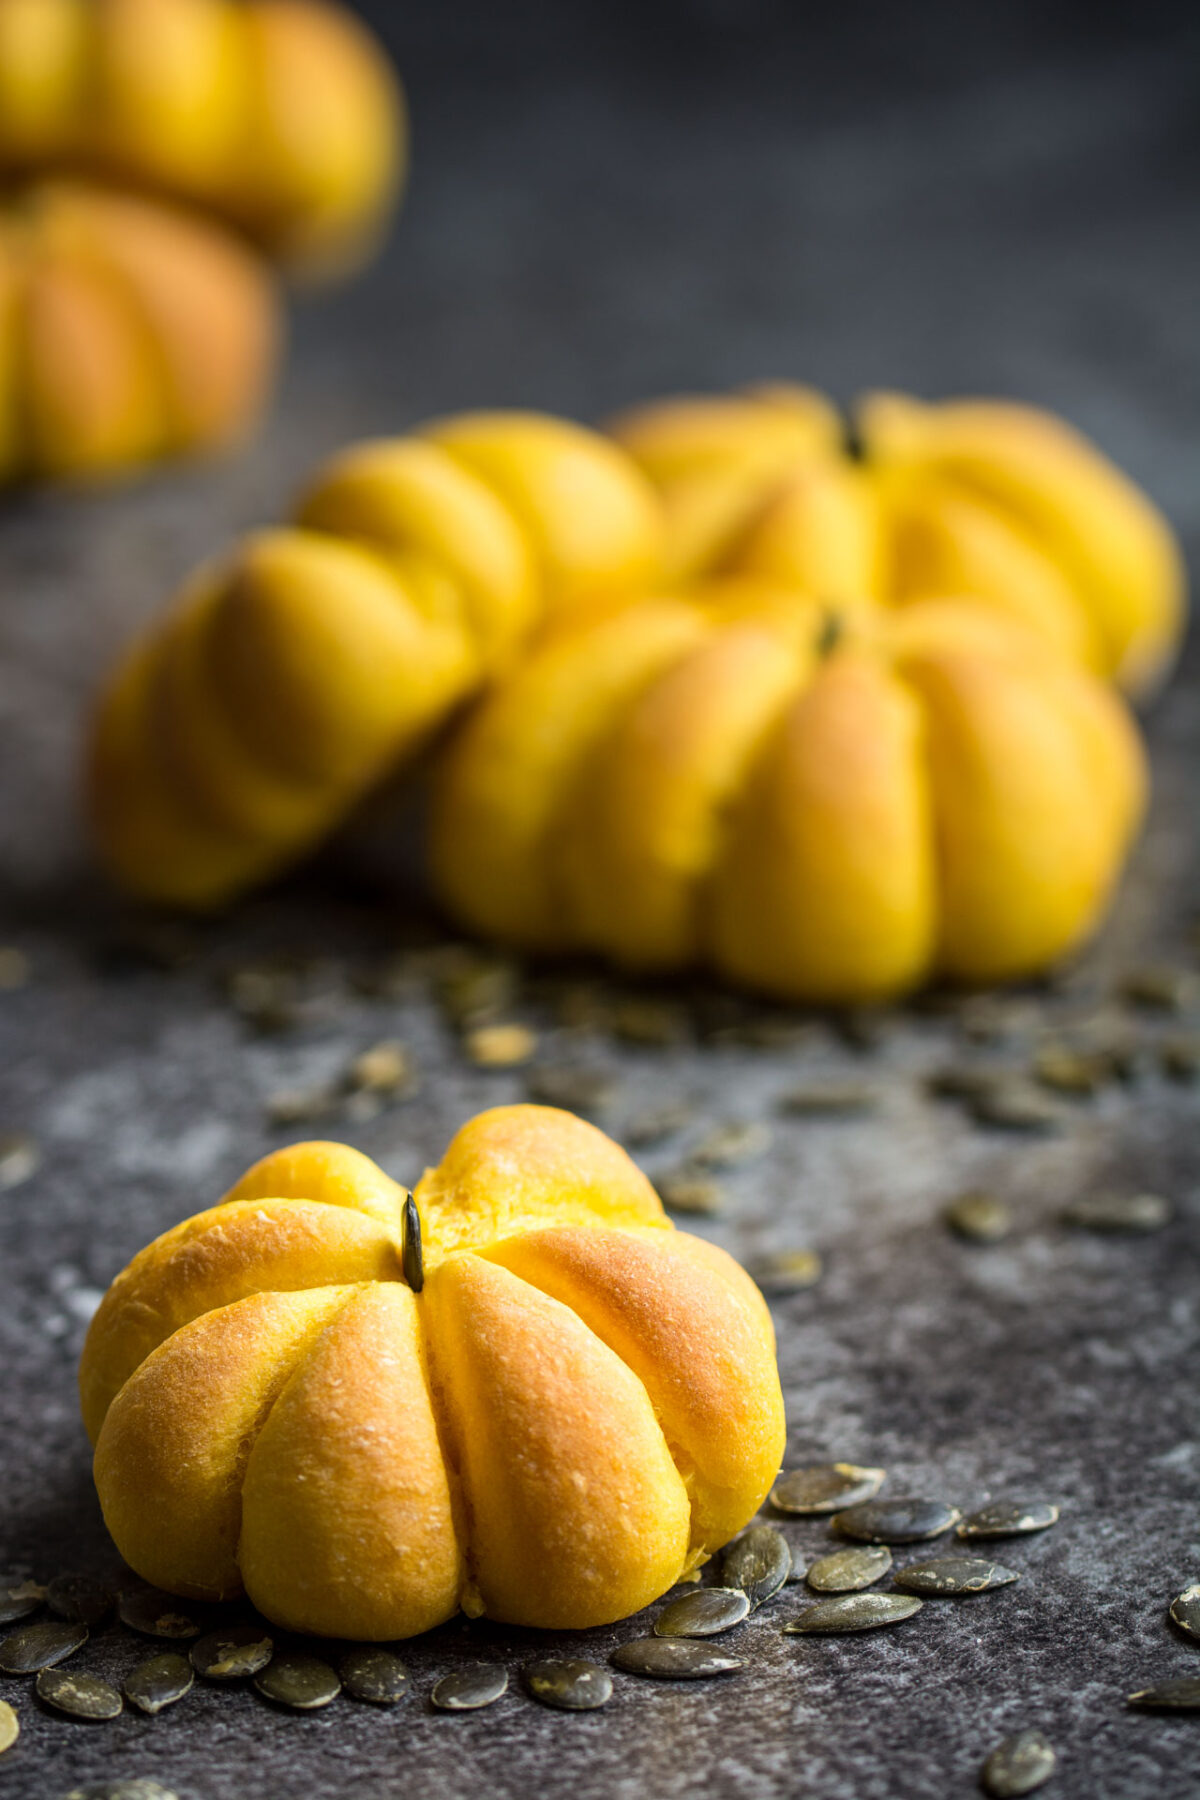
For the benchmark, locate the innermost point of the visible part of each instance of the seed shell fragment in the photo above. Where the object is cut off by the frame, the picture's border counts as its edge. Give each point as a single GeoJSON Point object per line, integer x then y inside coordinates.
{"type": "Point", "coordinates": [40, 1646]}
{"type": "Point", "coordinates": [848, 1571]}
{"type": "Point", "coordinates": [159, 1681]}
{"type": "Point", "coordinates": [232, 1653]}
{"type": "Point", "coordinates": [825, 1487]}
{"type": "Point", "coordinates": [854, 1612]}
{"type": "Point", "coordinates": [570, 1684]}
{"type": "Point", "coordinates": [1185, 1610]}
{"type": "Point", "coordinates": [473, 1685]}
{"type": "Point", "coordinates": [1182, 1695]}
{"type": "Point", "coordinates": [10, 1727]}
{"type": "Point", "coordinates": [1018, 1765]}
{"type": "Point", "coordinates": [303, 1683]}
{"type": "Point", "coordinates": [954, 1575]}
{"type": "Point", "coordinates": [673, 1659]}
{"type": "Point", "coordinates": [1008, 1518]}
{"type": "Point", "coordinates": [758, 1563]}
{"type": "Point", "coordinates": [375, 1675]}
{"type": "Point", "coordinates": [78, 1694]}
{"type": "Point", "coordinates": [901, 1521]}
{"type": "Point", "coordinates": [703, 1613]}
{"type": "Point", "coordinates": [156, 1614]}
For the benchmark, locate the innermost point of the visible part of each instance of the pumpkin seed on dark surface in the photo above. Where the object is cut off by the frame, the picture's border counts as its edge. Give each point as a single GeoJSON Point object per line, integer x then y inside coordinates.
{"type": "Point", "coordinates": [730, 1145]}
{"type": "Point", "coordinates": [965, 1082]}
{"type": "Point", "coordinates": [137, 1787]}
{"type": "Point", "coordinates": [300, 1106]}
{"type": "Point", "coordinates": [674, 1659]}
{"type": "Point", "coordinates": [954, 1575]}
{"type": "Point", "coordinates": [655, 1123]}
{"type": "Point", "coordinates": [1016, 1105]}
{"type": "Point", "coordinates": [830, 1100]}
{"type": "Point", "coordinates": [156, 1614]}
{"type": "Point", "coordinates": [979, 1217]}
{"type": "Point", "coordinates": [302, 1683]}
{"type": "Point", "coordinates": [232, 1653]}
{"type": "Point", "coordinates": [758, 1563]}
{"type": "Point", "coordinates": [1185, 1610]}
{"type": "Point", "coordinates": [385, 1068]}
{"type": "Point", "coordinates": [1018, 1765]}
{"type": "Point", "coordinates": [19, 1599]}
{"type": "Point", "coordinates": [1117, 1213]}
{"type": "Point", "coordinates": [848, 1571]}
{"type": "Point", "coordinates": [473, 1685]}
{"type": "Point", "coordinates": [1161, 988]}
{"type": "Point", "coordinates": [902, 1521]}
{"type": "Point", "coordinates": [475, 988]}
{"type": "Point", "coordinates": [375, 1675]}
{"type": "Point", "coordinates": [78, 1694]}
{"type": "Point", "coordinates": [1076, 1073]}
{"type": "Point", "coordinates": [159, 1681]}
{"type": "Point", "coordinates": [783, 1272]}
{"type": "Point", "coordinates": [10, 1726]}
{"type": "Point", "coordinates": [1181, 1695]}
{"type": "Point", "coordinates": [825, 1487]}
{"type": "Point", "coordinates": [589, 1092]}
{"type": "Point", "coordinates": [1008, 1518]}
{"type": "Point", "coordinates": [79, 1599]}
{"type": "Point", "coordinates": [40, 1646]}
{"type": "Point", "coordinates": [500, 1046]}
{"type": "Point", "coordinates": [655, 1024]}
{"type": "Point", "coordinates": [571, 1685]}
{"type": "Point", "coordinates": [853, 1612]}
{"type": "Point", "coordinates": [683, 1191]}
{"type": "Point", "coordinates": [1180, 1058]}
{"type": "Point", "coordinates": [703, 1613]}
{"type": "Point", "coordinates": [19, 1158]}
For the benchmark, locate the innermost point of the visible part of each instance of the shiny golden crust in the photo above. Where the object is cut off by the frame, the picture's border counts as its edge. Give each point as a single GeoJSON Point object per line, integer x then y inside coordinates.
{"type": "Point", "coordinates": [825, 815]}
{"type": "Point", "coordinates": [579, 1405]}
{"type": "Point", "coordinates": [282, 116]}
{"type": "Point", "coordinates": [317, 658]}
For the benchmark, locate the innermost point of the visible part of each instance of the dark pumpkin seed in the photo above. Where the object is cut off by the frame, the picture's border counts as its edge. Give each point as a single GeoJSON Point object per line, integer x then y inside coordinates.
{"type": "Point", "coordinates": [730, 1145]}
{"type": "Point", "coordinates": [964, 1082]}
{"type": "Point", "coordinates": [825, 1487]}
{"type": "Point", "coordinates": [303, 1683]}
{"type": "Point", "coordinates": [658, 1122]}
{"type": "Point", "coordinates": [1015, 1105]}
{"type": "Point", "coordinates": [783, 1272]}
{"type": "Point", "coordinates": [232, 1653]}
{"type": "Point", "coordinates": [589, 1092]}
{"type": "Point", "coordinates": [1161, 988]}
{"type": "Point", "coordinates": [474, 1685]}
{"type": "Point", "coordinates": [474, 989]}
{"type": "Point", "coordinates": [758, 1563]}
{"type": "Point", "coordinates": [19, 1599]}
{"type": "Point", "coordinates": [1182, 1695]}
{"type": "Point", "coordinates": [1008, 1518]}
{"type": "Point", "coordinates": [78, 1694]}
{"type": "Point", "coordinates": [156, 1614]}
{"type": "Point", "coordinates": [569, 1684]}
{"type": "Point", "coordinates": [854, 1612]}
{"type": "Point", "coordinates": [830, 1100]}
{"type": "Point", "coordinates": [954, 1575]}
{"type": "Point", "coordinates": [412, 1259]}
{"type": "Point", "coordinates": [79, 1599]}
{"type": "Point", "coordinates": [1185, 1610]}
{"type": "Point", "coordinates": [979, 1217]}
{"type": "Point", "coordinates": [10, 1727]}
{"type": "Point", "coordinates": [375, 1675]}
{"type": "Point", "coordinates": [1075, 1073]}
{"type": "Point", "coordinates": [703, 1613]}
{"type": "Point", "coordinates": [138, 1787]}
{"type": "Point", "coordinates": [673, 1659]}
{"type": "Point", "coordinates": [684, 1192]}
{"type": "Point", "coordinates": [901, 1521]}
{"type": "Point", "coordinates": [1118, 1213]}
{"type": "Point", "coordinates": [1180, 1058]}
{"type": "Point", "coordinates": [20, 1158]}
{"type": "Point", "coordinates": [848, 1571]}
{"type": "Point", "coordinates": [656, 1024]}
{"type": "Point", "coordinates": [40, 1646]}
{"type": "Point", "coordinates": [1018, 1765]}
{"type": "Point", "coordinates": [159, 1681]}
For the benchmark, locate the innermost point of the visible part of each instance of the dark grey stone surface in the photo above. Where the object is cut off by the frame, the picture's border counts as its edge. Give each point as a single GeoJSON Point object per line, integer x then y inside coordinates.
{"type": "Point", "coordinates": [606, 206]}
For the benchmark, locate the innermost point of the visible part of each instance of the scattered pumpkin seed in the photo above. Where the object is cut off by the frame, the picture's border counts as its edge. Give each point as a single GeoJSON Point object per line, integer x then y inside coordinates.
{"type": "Point", "coordinates": [729, 1146]}
{"type": "Point", "coordinates": [156, 1614]}
{"type": "Point", "coordinates": [979, 1217]}
{"type": "Point", "coordinates": [582, 1006]}
{"type": "Point", "coordinates": [992, 1018]}
{"type": "Point", "coordinates": [901, 1521]}
{"type": "Point", "coordinates": [773, 1031]}
{"type": "Point", "coordinates": [673, 1659]}
{"type": "Point", "coordinates": [138, 1787]}
{"type": "Point", "coordinates": [1118, 1212]}
{"type": "Point", "coordinates": [654, 1023]}
{"type": "Point", "coordinates": [1181, 1695]}
{"type": "Point", "coordinates": [302, 1682]}
{"type": "Point", "coordinates": [864, 1028]}
{"type": "Point", "coordinates": [783, 1272]}
{"type": "Point", "coordinates": [1018, 1765]}
{"type": "Point", "coordinates": [473, 1685]}
{"type": "Point", "coordinates": [79, 1599]}
{"type": "Point", "coordinates": [830, 1100]}
{"type": "Point", "coordinates": [300, 1106]}
{"type": "Point", "coordinates": [954, 1575]}
{"type": "Point", "coordinates": [965, 1082]}
{"type": "Point", "coordinates": [703, 1613]}
{"type": "Point", "coordinates": [655, 1123]}
{"type": "Point", "coordinates": [10, 1727]}
{"type": "Point", "coordinates": [1075, 1073]}
{"type": "Point", "coordinates": [475, 989]}
{"type": "Point", "coordinates": [825, 1487]}
{"type": "Point", "coordinates": [40, 1646]}
{"type": "Point", "coordinates": [758, 1563]}
{"type": "Point", "coordinates": [1185, 1610]}
{"type": "Point", "coordinates": [20, 1158]}
{"type": "Point", "coordinates": [387, 1068]}
{"type": "Point", "coordinates": [500, 1046]}
{"type": "Point", "coordinates": [19, 1599]}
{"type": "Point", "coordinates": [848, 1571]}
{"type": "Point", "coordinates": [589, 1092]}
{"type": "Point", "coordinates": [1008, 1518]}
{"type": "Point", "coordinates": [682, 1191]}
{"type": "Point", "coordinates": [231, 1653]}
{"type": "Point", "coordinates": [570, 1684]}
{"type": "Point", "coordinates": [1160, 989]}
{"type": "Point", "coordinates": [1180, 1058]}
{"type": "Point", "coordinates": [412, 1257]}
{"type": "Point", "coordinates": [854, 1612]}
{"type": "Point", "coordinates": [159, 1681]}
{"type": "Point", "coordinates": [78, 1694]}
{"type": "Point", "coordinates": [14, 968]}
{"type": "Point", "coordinates": [369, 1673]}
{"type": "Point", "coordinates": [1015, 1105]}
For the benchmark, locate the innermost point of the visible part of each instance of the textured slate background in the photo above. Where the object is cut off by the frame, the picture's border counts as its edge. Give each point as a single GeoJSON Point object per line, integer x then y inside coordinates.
{"type": "Point", "coordinates": [607, 204]}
